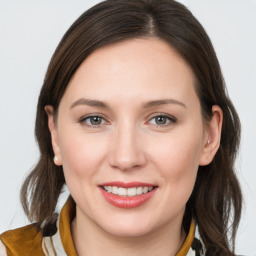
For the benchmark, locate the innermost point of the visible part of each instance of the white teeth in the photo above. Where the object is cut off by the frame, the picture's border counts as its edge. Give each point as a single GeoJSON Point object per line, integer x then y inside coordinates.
{"type": "Point", "coordinates": [139, 191]}
{"type": "Point", "coordinates": [145, 190]}
{"type": "Point", "coordinates": [122, 192]}
{"type": "Point", "coordinates": [131, 192]}
{"type": "Point", "coordinates": [127, 191]}
{"type": "Point", "coordinates": [114, 190]}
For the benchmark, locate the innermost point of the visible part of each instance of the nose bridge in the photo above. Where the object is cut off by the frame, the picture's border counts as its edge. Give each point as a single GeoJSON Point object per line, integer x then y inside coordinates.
{"type": "Point", "coordinates": [126, 151]}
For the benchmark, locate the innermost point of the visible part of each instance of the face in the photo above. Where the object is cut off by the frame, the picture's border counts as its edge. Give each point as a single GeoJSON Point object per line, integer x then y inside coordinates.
{"type": "Point", "coordinates": [130, 136]}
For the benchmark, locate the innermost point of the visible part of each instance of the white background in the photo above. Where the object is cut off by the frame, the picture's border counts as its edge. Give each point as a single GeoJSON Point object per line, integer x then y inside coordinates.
{"type": "Point", "coordinates": [29, 33]}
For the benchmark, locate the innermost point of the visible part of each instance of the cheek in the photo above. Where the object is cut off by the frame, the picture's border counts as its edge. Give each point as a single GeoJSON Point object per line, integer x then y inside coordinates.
{"type": "Point", "coordinates": [177, 154]}
{"type": "Point", "coordinates": [81, 154]}
{"type": "Point", "coordinates": [177, 159]}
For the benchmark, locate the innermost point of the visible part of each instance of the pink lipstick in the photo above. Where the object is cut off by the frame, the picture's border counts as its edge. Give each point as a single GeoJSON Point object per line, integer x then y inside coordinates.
{"type": "Point", "coordinates": [127, 195]}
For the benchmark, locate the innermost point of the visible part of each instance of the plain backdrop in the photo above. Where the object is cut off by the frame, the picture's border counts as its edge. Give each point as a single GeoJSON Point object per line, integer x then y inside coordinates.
{"type": "Point", "coordinates": [29, 34]}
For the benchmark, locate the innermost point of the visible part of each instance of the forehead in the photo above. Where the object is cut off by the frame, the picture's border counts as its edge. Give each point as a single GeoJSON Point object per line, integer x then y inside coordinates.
{"type": "Point", "coordinates": [146, 68]}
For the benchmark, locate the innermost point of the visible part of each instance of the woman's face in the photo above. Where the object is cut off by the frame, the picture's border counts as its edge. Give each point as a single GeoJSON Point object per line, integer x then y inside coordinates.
{"type": "Point", "coordinates": [130, 118]}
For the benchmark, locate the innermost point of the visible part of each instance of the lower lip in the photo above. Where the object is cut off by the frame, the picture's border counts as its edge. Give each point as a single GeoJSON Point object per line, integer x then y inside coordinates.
{"type": "Point", "coordinates": [126, 201]}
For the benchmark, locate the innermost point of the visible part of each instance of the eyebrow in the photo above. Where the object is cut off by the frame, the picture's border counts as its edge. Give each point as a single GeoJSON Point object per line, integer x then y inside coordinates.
{"type": "Point", "coordinates": [100, 104]}
{"type": "Point", "coordinates": [163, 102]}
{"type": "Point", "coordinates": [88, 102]}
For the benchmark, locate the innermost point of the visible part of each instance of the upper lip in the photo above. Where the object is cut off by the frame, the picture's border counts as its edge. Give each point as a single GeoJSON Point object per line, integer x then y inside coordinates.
{"type": "Point", "coordinates": [127, 184]}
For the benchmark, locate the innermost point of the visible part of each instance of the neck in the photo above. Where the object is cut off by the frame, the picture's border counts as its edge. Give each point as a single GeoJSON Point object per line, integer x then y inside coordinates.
{"type": "Point", "coordinates": [90, 239]}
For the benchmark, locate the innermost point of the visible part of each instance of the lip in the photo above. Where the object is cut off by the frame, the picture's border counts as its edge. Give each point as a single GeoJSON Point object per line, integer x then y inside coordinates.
{"type": "Point", "coordinates": [125, 201]}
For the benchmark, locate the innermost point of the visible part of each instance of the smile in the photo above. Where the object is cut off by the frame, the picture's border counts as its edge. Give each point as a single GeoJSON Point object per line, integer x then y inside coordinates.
{"type": "Point", "coordinates": [127, 195]}
{"type": "Point", "coordinates": [127, 191]}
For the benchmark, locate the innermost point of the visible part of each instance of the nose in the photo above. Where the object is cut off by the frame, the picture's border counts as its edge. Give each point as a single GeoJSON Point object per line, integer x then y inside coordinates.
{"type": "Point", "coordinates": [126, 148]}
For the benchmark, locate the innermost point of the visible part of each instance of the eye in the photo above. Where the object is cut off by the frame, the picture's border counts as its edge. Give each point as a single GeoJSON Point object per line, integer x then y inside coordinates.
{"type": "Point", "coordinates": [162, 120]}
{"type": "Point", "coordinates": [93, 121]}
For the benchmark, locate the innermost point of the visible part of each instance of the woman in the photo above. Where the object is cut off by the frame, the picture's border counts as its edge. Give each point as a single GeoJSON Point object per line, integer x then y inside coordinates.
{"type": "Point", "coordinates": [133, 117]}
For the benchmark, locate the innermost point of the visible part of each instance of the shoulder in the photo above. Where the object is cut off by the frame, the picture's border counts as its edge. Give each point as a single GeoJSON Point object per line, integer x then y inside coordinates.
{"type": "Point", "coordinates": [27, 239]}
{"type": "Point", "coordinates": [2, 249]}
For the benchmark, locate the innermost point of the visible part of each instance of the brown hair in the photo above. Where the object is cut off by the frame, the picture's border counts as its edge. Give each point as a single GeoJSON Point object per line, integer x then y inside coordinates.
{"type": "Point", "coordinates": [216, 200]}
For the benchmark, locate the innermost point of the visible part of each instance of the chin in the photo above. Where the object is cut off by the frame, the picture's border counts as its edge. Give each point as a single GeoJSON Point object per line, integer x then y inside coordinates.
{"type": "Point", "coordinates": [131, 232]}
{"type": "Point", "coordinates": [128, 228]}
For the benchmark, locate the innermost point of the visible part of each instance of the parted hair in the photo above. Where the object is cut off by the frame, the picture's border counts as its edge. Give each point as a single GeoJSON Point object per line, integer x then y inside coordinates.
{"type": "Point", "coordinates": [216, 200]}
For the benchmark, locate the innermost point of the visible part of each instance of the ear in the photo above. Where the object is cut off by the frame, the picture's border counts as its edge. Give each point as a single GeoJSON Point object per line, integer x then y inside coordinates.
{"type": "Point", "coordinates": [54, 135]}
{"type": "Point", "coordinates": [212, 136]}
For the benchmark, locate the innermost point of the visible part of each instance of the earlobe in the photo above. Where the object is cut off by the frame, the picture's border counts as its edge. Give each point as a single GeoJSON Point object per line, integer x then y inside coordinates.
{"type": "Point", "coordinates": [56, 160]}
{"type": "Point", "coordinates": [212, 136]}
{"type": "Point", "coordinates": [54, 138]}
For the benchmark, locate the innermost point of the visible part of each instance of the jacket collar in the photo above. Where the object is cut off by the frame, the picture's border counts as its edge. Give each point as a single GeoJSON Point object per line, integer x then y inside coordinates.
{"type": "Point", "coordinates": [63, 245]}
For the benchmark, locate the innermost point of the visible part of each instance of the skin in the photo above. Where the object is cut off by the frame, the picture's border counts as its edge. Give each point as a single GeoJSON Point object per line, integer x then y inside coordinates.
{"type": "Point", "coordinates": [130, 145]}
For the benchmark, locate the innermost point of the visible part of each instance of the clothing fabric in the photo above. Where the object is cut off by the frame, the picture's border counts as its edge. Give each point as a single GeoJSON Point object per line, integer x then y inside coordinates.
{"type": "Point", "coordinates": [29, 240]}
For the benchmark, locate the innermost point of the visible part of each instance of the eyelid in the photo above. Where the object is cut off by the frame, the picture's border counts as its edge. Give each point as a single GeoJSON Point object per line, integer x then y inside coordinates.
{"type": "Point", "coordinates": [83, 118]}
{"type": "Point", "coordinates": [172, 119]}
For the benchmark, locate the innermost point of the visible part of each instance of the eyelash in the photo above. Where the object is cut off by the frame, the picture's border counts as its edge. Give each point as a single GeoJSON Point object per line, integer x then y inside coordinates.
{"type": "Point", "coordinates": [171, 120]}
{"type": "Point", "coordinates": [84, 118]}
